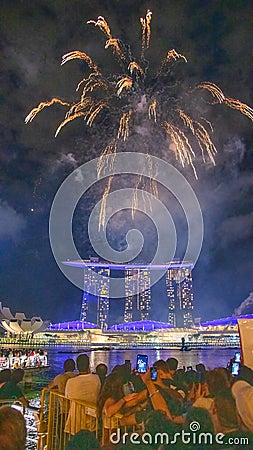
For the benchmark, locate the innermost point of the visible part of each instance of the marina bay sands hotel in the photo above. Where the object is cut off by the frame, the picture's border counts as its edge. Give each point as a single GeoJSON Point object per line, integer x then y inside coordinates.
{"type": "Point", "coordinates": [177, 280]}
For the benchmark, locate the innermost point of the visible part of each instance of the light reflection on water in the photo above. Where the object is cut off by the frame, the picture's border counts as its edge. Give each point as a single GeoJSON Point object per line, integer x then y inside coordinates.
{"type": "Point", "coordinates": [212, 357]}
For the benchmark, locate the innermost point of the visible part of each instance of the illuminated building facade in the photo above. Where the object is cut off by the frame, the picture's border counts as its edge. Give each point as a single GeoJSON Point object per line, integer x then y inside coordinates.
{"type": "Point", "coordinates": [137, 294]}
{"type": "Point", "coordinates": [180, 296]}
{"type": "Point", "coordinates": [137, 279]}
{"type": "Point", "coordinates": [103, 298]}
{"type": "Point", "coordinates": [89, 285]}
{"type": "Point", "coordinates": [98, 291]}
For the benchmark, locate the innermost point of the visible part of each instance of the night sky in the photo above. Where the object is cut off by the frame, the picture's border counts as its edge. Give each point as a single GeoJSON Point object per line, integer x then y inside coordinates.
{"type": "Point", "coordinates": [216, 38]}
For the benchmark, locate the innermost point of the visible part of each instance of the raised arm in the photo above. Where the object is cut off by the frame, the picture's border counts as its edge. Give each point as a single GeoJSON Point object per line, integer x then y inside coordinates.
{"type": "Point", "coordinates": [111, 406]}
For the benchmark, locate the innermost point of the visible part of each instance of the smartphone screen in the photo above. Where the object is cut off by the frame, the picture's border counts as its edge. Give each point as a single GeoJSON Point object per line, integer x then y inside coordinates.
{"type": "Point", "coordinates": [153, 373]}
{"type": "Point", "coordinates": [235, 368]}
{"type": "Point", "coordinates": [237, 357]}
{"type": "Point", "coordinates": [128, 388]}
{"type": "Point", "coordinates": [141, 363]}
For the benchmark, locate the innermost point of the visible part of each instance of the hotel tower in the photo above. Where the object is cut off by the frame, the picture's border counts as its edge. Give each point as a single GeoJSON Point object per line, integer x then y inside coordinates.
{"type": "Point", "coordinates": [137, 294]}
{"type": "Point", "coordinates": [100, 293]}
{"type": "Point", "coordinates": [176, 285]}
{"type": "Point", "coordinates": [180, 296]}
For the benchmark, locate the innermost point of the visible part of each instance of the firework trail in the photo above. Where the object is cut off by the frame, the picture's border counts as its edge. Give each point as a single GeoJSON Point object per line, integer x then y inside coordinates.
{"type": "Point", "coordinates": [121, 94]}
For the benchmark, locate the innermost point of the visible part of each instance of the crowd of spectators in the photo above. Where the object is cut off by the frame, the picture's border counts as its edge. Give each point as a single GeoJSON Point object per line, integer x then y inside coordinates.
{"type": "Point", "coordinates": [22, 358]}
{"type": "Point", "coordinates": [189, 409]}
{"type": "Point", "coordinates": [220, 404]}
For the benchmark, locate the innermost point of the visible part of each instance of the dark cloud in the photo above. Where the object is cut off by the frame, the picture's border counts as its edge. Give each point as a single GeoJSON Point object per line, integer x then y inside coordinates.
{"type": "Point", "coordinates": [232, 227]}
{"type": "Point", "coordinates": [12, 224]}
{"type": "Point", "coordinates": [246, 307]}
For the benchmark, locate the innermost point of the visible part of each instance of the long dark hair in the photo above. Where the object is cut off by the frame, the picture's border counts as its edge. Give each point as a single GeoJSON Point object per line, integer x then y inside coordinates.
{"type": "Point", "coordinates": [112, 387]}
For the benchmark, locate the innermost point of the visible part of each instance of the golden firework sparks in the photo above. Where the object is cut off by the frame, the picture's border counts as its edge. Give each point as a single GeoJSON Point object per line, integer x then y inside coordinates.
{"type": "Point", "coordinates": [152, 173]}
{"type": "Point", "coordinates": [103, 25]}
{"type": "Point", "coordinates": [231, 102]}
{"type": "Point", "coordinates": [146, 201]}
{"type": "Point", "coordinates": [135, 200]}
{"type": "Point", "coordinates": [153, 189]}
{"type": "Point", "coordinates": [186, 119]}
{"type": "Point", "coordinates": [242, 107]}
{"type": "Point", "coordinates": [123, 83]}
{"type": "Point", "coordinates": [79, 55]}
{"type": "Point", "coordinates": [88, 109]}
{"type": "Point", "coordinates": [102, 213]}
{"type": "Point", "coordinates": [134, 66]}
{"type": "Point", "coordinates": [209, 123]}
{"type": "Point", "coordinates": [108, 154]}
{"type": "Point", "coordinates": [205, 142]}
{"type": "Point", "coordinates": [152, 110]}
{"type": "Point", "coordinates": [100, 92]}
{"type": "Point", "coordinates": [214, 89]}
{"type": "Point", "coordinates": [114, 43]}
{"type": "Point", "coordinates": [183, 149]}
{"type": "Point", "coordinates": [80, 106]}
{"type": "Point", "coordinates": [123, 131]}
{"type": "Point", "coordinates": [67, 120]}
{"type": "Point", "coordinates": [42, 105]}
{"type": "Point", "coordinates": [93, 114]}
{"type": "Point", "coordinates": [199, 131]}
{"type": "Point", "coordinates": [146, 29]}
{"type": "Point", "coordinates": [173, 54]}
{"type": "Point", "coordinates": [91, 83]}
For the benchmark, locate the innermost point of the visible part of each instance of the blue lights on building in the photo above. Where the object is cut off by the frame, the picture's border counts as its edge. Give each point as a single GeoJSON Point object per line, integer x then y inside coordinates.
{"type": "Point", "coordinates": [141, 326]}
{"type": "Point", "coordinates": [225, 321]}
{"type": "Point", "coordinates": [76, 325]}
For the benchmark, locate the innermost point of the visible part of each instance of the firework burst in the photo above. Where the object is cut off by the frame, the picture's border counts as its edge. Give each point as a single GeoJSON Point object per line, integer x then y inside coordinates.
{"type": "Point", "coordinates": [122, 94]}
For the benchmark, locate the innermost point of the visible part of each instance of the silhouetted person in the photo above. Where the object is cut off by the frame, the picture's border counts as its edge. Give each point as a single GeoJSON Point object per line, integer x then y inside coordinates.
{"type": "Point", "coordinates": [83, 440]}
{"type": "Point", "coordinates": [12, 429]}
{"type": "Point", "coordinates": [61, 379]}
{"type": "Point", "coordinates": [101, 371]}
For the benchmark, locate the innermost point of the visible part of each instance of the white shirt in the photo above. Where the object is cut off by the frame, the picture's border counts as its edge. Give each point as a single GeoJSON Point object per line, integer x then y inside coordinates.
{"type": "Point", "coordinates": [61, 380]}
{"type": "Point", "coordinates": [243, 395]}
{"type": "Point", "coordinates": [83, 387]}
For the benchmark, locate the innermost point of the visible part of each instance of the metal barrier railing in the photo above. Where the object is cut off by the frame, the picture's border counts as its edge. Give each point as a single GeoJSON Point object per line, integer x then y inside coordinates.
{"type": "Point", "coordinates": [42, 420]}
{"type": "Point", "coordinates": [60, 418]}
{"type": "Point", "coordinates": [109, 424]}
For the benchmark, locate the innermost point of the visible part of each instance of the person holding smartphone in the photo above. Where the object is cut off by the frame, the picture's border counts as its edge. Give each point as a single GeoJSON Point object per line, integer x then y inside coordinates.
{"type": "Point", "coordinates": [111, 398]}
{"type": "Point", "coordinates": [157, 398]}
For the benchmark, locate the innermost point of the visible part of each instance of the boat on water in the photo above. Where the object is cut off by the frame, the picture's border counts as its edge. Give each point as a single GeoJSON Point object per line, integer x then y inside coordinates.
{"type": "Point", "coordinates": [22, 359]}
